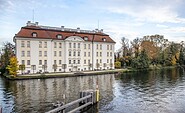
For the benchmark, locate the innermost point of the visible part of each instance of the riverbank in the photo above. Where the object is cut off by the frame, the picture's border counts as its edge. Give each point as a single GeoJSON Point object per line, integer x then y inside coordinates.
{"type": "Point", "coordinates": [74, 74]}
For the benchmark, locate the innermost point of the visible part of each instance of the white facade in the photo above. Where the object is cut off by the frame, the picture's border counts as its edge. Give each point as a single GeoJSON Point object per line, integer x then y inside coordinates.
{"type": "Point", "coordinates": [74, 52]}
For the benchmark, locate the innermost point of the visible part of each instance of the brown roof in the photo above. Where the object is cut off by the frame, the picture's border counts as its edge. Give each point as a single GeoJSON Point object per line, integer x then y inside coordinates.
{"type": "Point", "coordinates": [26, 32]}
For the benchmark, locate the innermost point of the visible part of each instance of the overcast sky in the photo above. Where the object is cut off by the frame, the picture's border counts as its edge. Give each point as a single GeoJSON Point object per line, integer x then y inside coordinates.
{"type": "Point", "coordinates": [118, 18]}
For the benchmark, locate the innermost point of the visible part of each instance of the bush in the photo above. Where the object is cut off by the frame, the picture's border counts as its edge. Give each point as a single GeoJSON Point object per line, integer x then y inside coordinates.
{"type": "Point", "coordinates": [117, 64]}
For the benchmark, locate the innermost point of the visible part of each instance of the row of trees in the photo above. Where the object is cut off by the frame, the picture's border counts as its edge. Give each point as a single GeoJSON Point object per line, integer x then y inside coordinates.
{"type": "Point", "coordinates": [150, 50]}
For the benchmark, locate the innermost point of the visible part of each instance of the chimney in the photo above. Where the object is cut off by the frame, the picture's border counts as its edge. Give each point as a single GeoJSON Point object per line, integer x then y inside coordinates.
{"type": "Point", "coordinates": [36, 23]}
{"type": "Point", "coordinates": [62, 28]}
{"type": "Point", "coordinates": [101, 30]}
{"type": "Point", "coordinates": [28, 23]}
{"type": "Point", "coordinates": [78, 29]}
{"type": "Point", "coordinates": [96, 30]}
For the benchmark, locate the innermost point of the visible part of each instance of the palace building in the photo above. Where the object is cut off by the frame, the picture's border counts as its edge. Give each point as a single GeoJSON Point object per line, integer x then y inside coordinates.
{"type": "Point", "coordinates": [59, 49]}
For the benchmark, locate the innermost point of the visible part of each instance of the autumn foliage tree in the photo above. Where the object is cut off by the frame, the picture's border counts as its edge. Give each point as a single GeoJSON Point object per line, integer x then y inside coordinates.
{"type": "Point", "coordinates": [13, 66]}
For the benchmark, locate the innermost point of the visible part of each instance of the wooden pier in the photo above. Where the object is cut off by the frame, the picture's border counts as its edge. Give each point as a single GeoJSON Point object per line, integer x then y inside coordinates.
{"type": "Point", "coordinates": [87, 98]}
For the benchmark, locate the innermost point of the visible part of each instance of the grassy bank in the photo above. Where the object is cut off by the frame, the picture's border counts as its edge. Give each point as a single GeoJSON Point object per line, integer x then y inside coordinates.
{"type": "Point", "coordinates": [62, 75]}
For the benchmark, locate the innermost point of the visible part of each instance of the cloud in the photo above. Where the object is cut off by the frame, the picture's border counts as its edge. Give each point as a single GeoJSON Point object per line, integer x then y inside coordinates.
{"type": "Point", "coordinates": [161, 26]}
{"type": "Point", "coordinates": [175, 30]}
{"type": "Point", "coordinates": [145, 10]}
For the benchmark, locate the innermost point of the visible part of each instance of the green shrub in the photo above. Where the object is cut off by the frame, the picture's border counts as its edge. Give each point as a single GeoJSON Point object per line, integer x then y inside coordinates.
{"type": "Point", "coordinates": [117, 64]}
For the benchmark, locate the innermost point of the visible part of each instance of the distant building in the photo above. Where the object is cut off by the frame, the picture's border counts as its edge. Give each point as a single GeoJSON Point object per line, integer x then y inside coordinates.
{"type": "Point", "coordinates": [49, 49]}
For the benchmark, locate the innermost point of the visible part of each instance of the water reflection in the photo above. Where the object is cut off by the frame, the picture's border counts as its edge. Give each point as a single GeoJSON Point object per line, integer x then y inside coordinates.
{"type": "Point", "coordinates": [144, 92]}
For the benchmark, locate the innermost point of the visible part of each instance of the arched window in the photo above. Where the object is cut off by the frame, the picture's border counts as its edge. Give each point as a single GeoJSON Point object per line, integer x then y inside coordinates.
{"type": "Point", "coordinates": [34, 34]}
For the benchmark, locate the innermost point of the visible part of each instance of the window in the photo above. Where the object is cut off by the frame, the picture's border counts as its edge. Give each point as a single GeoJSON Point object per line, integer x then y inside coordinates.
{"type": "Point", "coordinates": [78, 53]}
{"type": "Point", "coordinates": [100, 53]}
{"type": "Point", "coordinates": [97, 46]}
{"type": "Point", "coordinates": [69, 45]}
{"type": "Point", "coordinates": [45, 62]}
{"type": "Point", "coordinates": [60, 61]}
{"type": "Point", "coordinates": [96, 60]}
{"type": "Point", "coordinates": [22, 43]}
{"type": "Point", "coordinates": [28, 44]}
{"type": "Point", "coordinates": [111, 54]}
{"type": "Point", "coordinates": [40, 44]}
{"type": "Point", "coordinates": [110, 47]}
{"type": "Point", "coordinates": [107, 47]}
{"type": "Point", "coordinates": [60, 53]}
{"type": "Point", "coordinates": [100, 60]}
{"type": "Point", "coordinates": [84, 46]}
{"type": "Point", "coordinates": [55, 45]}
{"type": "Point", "coordinates": [100, 46]}
{"type": "Point", "coordinates": [85, 38]}
{"type": "Point", "coordinates": [110, 60]}
{"type": "Point", "coordinates": [45, 44]}
{"type": "Point", "coordinates": [78, 61]}
{"type": "Point", "coordinates": [88, 61]}
{"type": "Point", "coordinates": [107, 53]}
{"type": "Point", "coordinates": [84, 54]}
{"type": "Point", "coordinates": [97, 54]}
{"type": "Point", "coordinates": [89, 46]}
{"type": "Point", "coordinates": [74, 45]}
{"type": "Point", "coordinates": [107, 60]}
{"type": "Point", "coordinates": [78, 45]}
{"type": "Point", "coordinates": [59, 36]}
{"type": "Point", "coordinates": [69, 61]}
{"type": "Point", "coordinates": [45, 53]}
{"type": "Point", "coordinates": [74, 53]}
{"type": "Point", "coordinates": [60, 45]}
{"type": "Point", "coordinates": [28, 62]}
{"type": "Point", "coordinates": [89, 54]}
{"type": "Point", "coordinates": [104, 39]}
{"type": "Point", "coordinates": [55, 61]}
{"type": "Point", "coordinates": [28, 53]}
{"type": "Point", "coordinates": [84, 61]}
{"type": "Point", "coordinates": [23, 63]}
{"type": "Point", "coordinates": [69, 53]}
{"type": "Point", "coordinates": [34, 34]}
{"type": "Point", "coordinates": [22, 53]}
{"type": "Point", "coordinates": [55, 53]}
{"type": "Point", "coordinates": [74, 62]}
{"type": "Point", "coordinates": [40, 62]}
{"type": "Point", "coordinates": [40, 53]}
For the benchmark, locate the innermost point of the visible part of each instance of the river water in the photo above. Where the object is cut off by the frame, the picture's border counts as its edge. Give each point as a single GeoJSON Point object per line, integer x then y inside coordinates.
{"type": "Point", "coordinates": [143, 92]}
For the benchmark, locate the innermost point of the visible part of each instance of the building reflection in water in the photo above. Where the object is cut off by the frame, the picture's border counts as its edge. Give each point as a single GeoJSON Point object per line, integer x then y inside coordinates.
{"type": "Point", "coordinates": [38, 95]}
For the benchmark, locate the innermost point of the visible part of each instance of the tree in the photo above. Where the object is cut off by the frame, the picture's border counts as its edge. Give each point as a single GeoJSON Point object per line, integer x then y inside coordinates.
{"type": "Point", "coordinates": [44, 67]}
{"type": "Point", "coordinates": [22, 68]}
{"type": "Point", "coordinates": [54, 67]}
{"type": "Point", "coordinates": [64, 66]}
{"type": "Point", "coordinates": [104, 65]}
{"type": "Point", "coordinates": [181, 57]}
{"type": "Point", "coordinates": [136, 44]}
{"type": "Point", "coordinates": [90, 65]}
{"type": "Point", "coordinates": [142, 61]}
{"type": "Point", "coordinates": [97, 65]}
{"type": "Point", "coordinates": [6, 53]}
{"type": "Point", "coordinates": [33, 67]}
{"type": "Point", "coordinates": [124, 46]}
{"type": "Point", "coordinates": [117, 64]}
{"type": "Point", "coordinates": [13, 66]}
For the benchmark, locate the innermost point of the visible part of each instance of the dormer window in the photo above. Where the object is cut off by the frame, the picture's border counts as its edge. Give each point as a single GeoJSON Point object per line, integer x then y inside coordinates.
{"type": "Point", "coordinates": [34, 34]}
{"type": "Point", "coordinates": [59, 36]}
{"type": "Point", "coordinates": [85, 38]}
{"type": "Point", "coordinates": [104, 39]}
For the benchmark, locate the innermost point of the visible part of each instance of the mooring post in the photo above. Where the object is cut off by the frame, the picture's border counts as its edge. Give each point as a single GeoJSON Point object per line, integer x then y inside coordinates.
{"type": "Point", "coordinates": [1, 110]}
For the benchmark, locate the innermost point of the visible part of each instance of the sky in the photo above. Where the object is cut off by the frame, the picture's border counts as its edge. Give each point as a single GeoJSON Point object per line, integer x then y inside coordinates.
{"type": "Point", "coordinates": [118, 18]}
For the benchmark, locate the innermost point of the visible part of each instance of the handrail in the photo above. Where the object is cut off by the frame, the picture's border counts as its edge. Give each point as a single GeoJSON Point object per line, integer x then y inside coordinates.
{"type": "Point", "coordinates": [69, 104]}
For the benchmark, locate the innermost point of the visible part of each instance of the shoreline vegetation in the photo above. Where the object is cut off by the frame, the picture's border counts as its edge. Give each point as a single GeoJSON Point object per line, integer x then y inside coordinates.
{"type": "Point", "coordinates": [87, 73]}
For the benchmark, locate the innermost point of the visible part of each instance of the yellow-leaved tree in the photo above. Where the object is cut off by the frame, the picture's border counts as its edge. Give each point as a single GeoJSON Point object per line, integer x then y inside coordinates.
{"type": "Point", "coordinates": [13, 66]}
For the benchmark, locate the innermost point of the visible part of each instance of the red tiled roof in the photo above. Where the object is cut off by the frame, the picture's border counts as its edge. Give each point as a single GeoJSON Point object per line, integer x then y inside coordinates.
{"type": "Point", "coordinates": [26, 32]}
